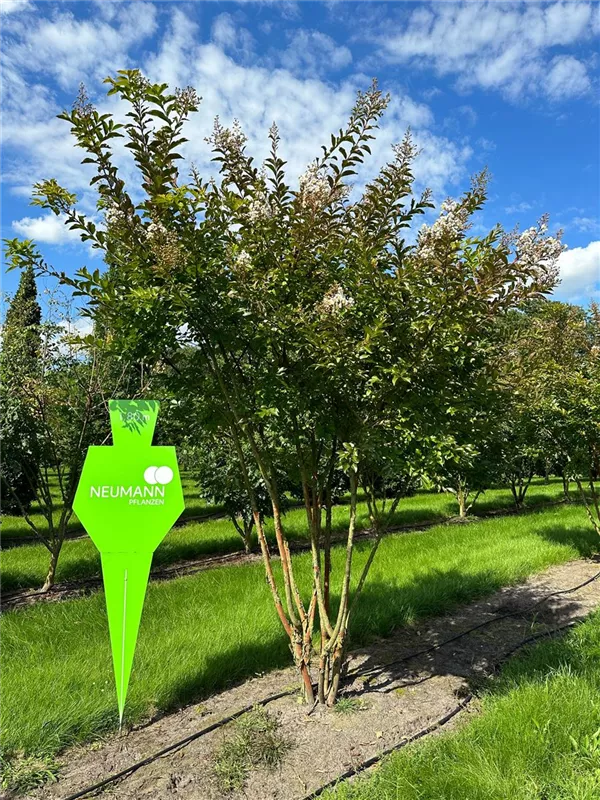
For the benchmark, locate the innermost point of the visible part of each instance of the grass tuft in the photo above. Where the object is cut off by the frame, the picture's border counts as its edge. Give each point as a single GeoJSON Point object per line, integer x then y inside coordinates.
{"type": "Point", "coordinates": [20, 773]}
{"type": "Point", "coordinates": [254, 742]}
{"type": "Point", "coordinates": [348, 705]}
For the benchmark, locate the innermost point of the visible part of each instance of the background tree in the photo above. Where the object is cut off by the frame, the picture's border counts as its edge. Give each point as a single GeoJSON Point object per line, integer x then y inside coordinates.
{"type": "Point", "coordinates": [576, 396]}
{"type": "Point", "coordinates": [67, 403]}
{"type": "Point", "coordinates": [543, 348]}
{"type": "Point", "coordinates": [19, 367]}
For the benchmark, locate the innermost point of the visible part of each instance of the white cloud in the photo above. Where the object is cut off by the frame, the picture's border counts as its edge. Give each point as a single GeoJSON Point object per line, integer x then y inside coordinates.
{"type": "Point", "coordinates": [519, 208]}
{"type": "Point", "coordinates": [48, 229]}
{"type": "Point", "coordinates": [13, 6]}
{"type": "Point", "coordinates": [306, 108]}
{"type": "Point", "coordinates": [311, 52]}
{"type": "Point", "coordinates": [567, 78]}
{"type": "Point", "coordinates": [79, 326]}
{"type": "Point", "coordinates": [231, 37]}
{"type": "Point", "coordinates": [580, 273]}
{"type": "Point", "coordinates": [289, 9]}
{"type": "Point", "coordinates": [69, 48]}
{"type": "Point", "coordinates": [487, 145]}
{"type": "Point", "coordinates": [587, 224]}
{"type": "Point", "coordinates": [506, 47]}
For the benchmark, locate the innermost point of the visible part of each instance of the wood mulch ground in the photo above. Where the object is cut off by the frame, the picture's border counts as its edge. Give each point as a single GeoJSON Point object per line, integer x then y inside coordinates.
{"type": "Point", "coordinates": [397, 702]}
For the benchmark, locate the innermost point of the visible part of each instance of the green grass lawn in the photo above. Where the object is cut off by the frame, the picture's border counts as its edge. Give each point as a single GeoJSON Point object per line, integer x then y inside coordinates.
{"type": "Point", "coordinates": [25, 566]}
{"type": "Point", "coordinates": [537, 738]}
{"type": "Point", "coordinates": [14, 527]}
{"type": "Point", "coordinates": [203, 632]}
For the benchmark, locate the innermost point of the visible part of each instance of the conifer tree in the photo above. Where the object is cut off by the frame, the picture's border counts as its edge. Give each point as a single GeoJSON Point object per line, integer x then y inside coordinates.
{"type": "Point", "coordinates": [19, 365]}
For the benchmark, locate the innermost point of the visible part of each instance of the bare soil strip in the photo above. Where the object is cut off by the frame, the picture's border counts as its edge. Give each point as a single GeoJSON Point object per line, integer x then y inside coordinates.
{"type": "Point", "coordinates": [72, 589]}
{"type": "Point", "coordinates": [395, 702]}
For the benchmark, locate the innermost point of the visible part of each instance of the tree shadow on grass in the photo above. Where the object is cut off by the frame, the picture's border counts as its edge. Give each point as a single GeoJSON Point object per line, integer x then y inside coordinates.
{"type": "Point", "coordinates": [581, 537]}
{"type": "Point", "coordinates": [536, 496]}
{"type": "Point", "coordinates": [16, 531]}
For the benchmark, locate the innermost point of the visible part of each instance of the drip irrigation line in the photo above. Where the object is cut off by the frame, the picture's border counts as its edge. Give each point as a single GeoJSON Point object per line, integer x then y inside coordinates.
{"type": "Point", "coordinates": [373, 760]}
{"type": "Point", "coordinates": [125, 773]}
{"type": "Point", "coordinates": [176, 746]}
{"type": "Point", "coordinates": [432, 648]}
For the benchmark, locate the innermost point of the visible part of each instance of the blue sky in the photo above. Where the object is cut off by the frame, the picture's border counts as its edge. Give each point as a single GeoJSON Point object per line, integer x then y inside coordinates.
{"type": "Point", "coordinates": [513, 86]}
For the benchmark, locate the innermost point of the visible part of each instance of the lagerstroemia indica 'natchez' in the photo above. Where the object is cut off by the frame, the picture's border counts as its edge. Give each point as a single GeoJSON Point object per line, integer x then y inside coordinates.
{"type": "Point", "coordinates": [316, 337]}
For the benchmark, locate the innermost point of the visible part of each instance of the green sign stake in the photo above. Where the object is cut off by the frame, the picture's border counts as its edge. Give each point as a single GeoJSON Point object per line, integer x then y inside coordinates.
{"type": "Point", "coordinates": [128, 497]}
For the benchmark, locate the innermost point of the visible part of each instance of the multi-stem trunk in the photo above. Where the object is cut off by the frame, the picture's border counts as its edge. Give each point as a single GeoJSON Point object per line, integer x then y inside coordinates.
{"type": "Point", "coordinates": [295, 619]}
{"type": "Point", "coordinates": [333, 636]}
{"type": "Point", "coordinates": [519, 486]}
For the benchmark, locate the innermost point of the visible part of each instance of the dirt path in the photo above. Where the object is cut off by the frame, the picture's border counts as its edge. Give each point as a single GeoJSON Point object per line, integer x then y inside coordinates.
{"type": "Point", "coordinates": [397, 701]}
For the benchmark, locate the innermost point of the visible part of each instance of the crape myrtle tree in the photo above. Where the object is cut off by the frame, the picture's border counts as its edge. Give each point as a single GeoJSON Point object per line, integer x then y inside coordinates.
{"type": "Point", "coordinates": [19, 366]}
{"type": "Point", "coordinates": [315, 328]}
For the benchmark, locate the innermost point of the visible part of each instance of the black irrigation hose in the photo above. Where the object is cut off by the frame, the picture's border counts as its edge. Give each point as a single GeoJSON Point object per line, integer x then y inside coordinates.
{"type": "Point", "coordinates": [370, 762]}
{"type": "Point", "coordinates": [376, 670]}
{"type": "Point", "coordinates": [374, 759]}
{"type": "Point", "coordinates": [125, 773]}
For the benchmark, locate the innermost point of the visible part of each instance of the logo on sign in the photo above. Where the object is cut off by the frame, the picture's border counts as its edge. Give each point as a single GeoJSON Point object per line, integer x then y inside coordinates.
{"type": "Point", "coordinates": [153, 494]}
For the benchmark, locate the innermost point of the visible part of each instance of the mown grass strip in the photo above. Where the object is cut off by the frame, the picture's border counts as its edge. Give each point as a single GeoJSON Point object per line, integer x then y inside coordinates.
{"type": "Point", "coordinates": [203, 632]}
{"type": "Point", "coordinates": [25, 567]}
{"type": "Point", "coordinates": [15, 528]}
{"type": "Point", "coordinates": [538, 736]}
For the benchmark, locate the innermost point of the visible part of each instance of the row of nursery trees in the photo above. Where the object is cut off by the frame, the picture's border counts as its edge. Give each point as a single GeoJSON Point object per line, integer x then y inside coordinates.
{"type": "Point", "coordinates": [299, 345]}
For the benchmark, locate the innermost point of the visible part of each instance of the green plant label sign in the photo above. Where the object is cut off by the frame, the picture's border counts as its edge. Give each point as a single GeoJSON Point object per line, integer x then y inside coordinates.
{"type": "Point", "coordinates": [128, 497]}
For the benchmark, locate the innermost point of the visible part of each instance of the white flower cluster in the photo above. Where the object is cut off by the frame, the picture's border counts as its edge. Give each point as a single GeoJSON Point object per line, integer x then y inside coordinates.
{"type": "Point", "coordinates": [335, 300]}
{"type": "Point", "coordinates": [448, 227]}
{"type": "Point", "coordinates": [243, 261]}
{"type": "Point", "coordinates": [230, 140]}
{"type": "Point", "coordinates": [259, 208]}
{"type": "Point", "coordinates": [533, 249]}
{"type": "Point", "coordinates": [164, 245]}
{"type": "Point", "coordinates": [156, 231]}
{"type": "Point", "coordinates": [315, 191]}
{"type": "Point", "coordinates": [187, 99]}
{"type": "Point", "coordinates": [115, 216]}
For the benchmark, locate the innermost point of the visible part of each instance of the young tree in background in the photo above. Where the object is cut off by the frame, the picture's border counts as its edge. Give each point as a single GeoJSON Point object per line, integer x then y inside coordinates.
{"type": "Point", "coordinates": [542, 351]}
{"type": "Point", "coordinates": [576, 395]}
{"type": "Point", "coordinates": [66, 399]}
